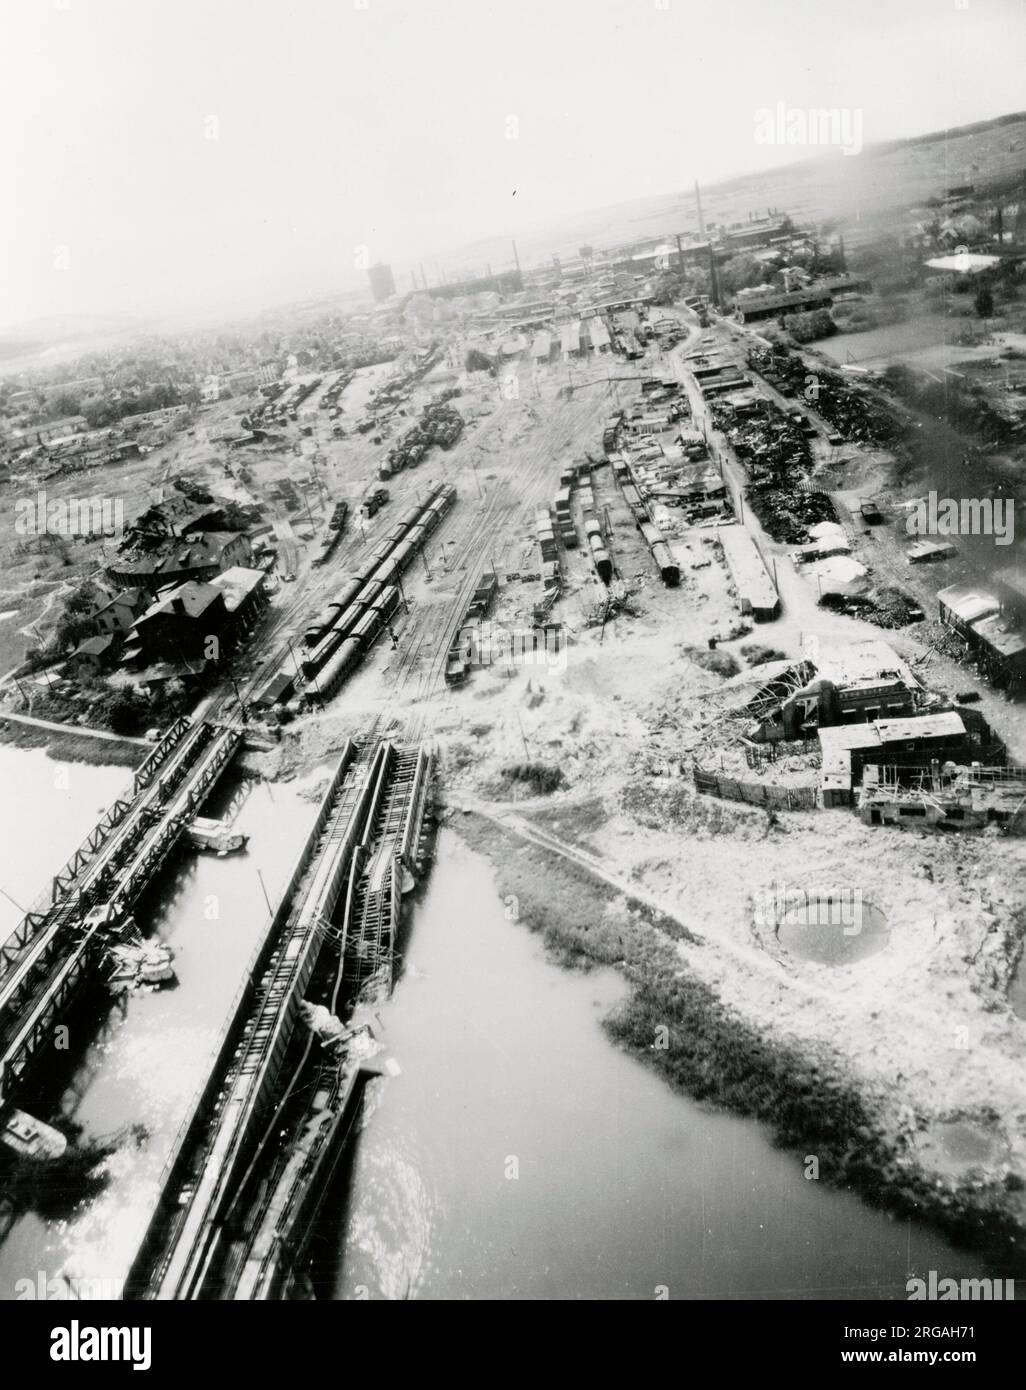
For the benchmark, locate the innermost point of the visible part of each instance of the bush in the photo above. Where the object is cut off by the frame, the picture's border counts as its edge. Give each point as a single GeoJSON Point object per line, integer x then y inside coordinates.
{"type": "Point", "coordinates": [720, 663]}
{"type": "Point", "coordinates": [542, 778]}
{"type": "Point", "coordinates": [755, 653]}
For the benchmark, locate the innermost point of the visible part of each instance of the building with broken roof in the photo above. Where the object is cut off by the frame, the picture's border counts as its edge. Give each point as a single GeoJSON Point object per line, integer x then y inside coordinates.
{"type": "Point", "coordinates": [838, 683]}
{"type": "Point", "coordinates": [949, 795]}
{"type": "Point", "coordinates": [992, 635]}
{"type": "Point", "coordinates": [200, 556]}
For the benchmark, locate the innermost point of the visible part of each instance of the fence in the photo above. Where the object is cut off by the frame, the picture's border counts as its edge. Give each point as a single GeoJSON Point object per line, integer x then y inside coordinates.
{"type": "Point", "coordinates": [756, 793]}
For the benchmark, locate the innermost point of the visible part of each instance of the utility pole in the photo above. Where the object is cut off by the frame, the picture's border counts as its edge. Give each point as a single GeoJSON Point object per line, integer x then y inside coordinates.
{"type": "Point", "coordinates": [523, 736]}
{"type": "Point", "coordinates": [238, 695]}
{"type": "Point", "coordinates": [263, 889]}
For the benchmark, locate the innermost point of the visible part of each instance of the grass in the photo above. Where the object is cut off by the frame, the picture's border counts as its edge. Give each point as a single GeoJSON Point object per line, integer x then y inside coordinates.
{"type": "Point", "coordinates": [72, 747]}
{"type": "Point", "coordinates": [720, 663]}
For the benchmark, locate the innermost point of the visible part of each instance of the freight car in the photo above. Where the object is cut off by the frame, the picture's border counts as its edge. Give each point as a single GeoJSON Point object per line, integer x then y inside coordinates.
{"type": "Point", "coordinates": [374, 501]}
{"type": "Point", "coordinates": [460, 657]}
{"type": "Point", "coordinates": [484, 595]}
{"type": "Point", "coordinates": [603, 565]}
{"type": "Point", "coordinates": [277, 690]}
{"type": "Point", "coordinates": [669, 570]}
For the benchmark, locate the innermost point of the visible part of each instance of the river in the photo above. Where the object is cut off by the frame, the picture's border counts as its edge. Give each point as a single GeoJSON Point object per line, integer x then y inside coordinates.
{"type": "Point", "coordinates": [518, 1154]}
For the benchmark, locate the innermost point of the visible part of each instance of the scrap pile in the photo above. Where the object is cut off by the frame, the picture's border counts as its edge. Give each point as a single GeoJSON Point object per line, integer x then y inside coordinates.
{"type": "Point", "coordinates": [853, 413]}
{"type": "Point", "coordinates": [775, 451]}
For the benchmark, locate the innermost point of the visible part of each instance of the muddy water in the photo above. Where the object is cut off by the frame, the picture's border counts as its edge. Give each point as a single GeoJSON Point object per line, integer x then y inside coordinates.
{"type": "Point", "coordinates": [142, 1059]}
{"type": "Point", "coordinates": [833, 931]}
{"type": "Point", "coordinates": [520, 1155]}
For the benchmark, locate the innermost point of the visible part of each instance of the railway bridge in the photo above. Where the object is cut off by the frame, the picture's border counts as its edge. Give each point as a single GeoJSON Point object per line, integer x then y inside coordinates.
{"type": "Point", "coordinates": [237, 1198]}
{"type": "Point", "coordinates": [57, 949]}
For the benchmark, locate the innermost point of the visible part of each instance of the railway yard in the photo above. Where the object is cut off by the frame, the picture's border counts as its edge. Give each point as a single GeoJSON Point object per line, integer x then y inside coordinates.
{"type": "Point", "coordinates": [574, 629]}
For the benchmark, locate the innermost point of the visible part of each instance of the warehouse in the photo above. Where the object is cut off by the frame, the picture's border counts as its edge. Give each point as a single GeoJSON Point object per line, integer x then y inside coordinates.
{"type": "Point", "coordinates": [756, 591]}
{"type": "Point", "coordinates": [754, 304]}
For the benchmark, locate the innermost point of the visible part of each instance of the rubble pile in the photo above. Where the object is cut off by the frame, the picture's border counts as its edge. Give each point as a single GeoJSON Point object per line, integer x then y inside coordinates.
{"type": "Point", "coordinates": [775, 453]}
{"type": "Point", "coordinates": [851, 410]}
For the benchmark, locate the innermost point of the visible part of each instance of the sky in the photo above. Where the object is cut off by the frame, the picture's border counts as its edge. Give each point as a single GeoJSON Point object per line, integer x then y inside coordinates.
{"type": "Point", "coordinates": [176, 155]}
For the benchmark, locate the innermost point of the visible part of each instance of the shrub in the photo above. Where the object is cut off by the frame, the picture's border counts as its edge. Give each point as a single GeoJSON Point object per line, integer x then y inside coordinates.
{"type": "Point", "coordinates": [542, 778]}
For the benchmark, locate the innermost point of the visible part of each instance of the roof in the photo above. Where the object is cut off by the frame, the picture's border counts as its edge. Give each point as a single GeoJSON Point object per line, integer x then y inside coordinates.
{"type": "Point", "coordinates": [129, 598]}
{"type": "Point", "coordinates": [920, 550]}
{"type": "Point", "coordinates": [747, 567]}
{"type": "Point", "coordinates": [195, 597]}
{"type": "Point", "coordinates": [95, 646]}
{"type": "Point", "coordinates": [965, 262]}
{"type": "Point", "coordinates": [199, 550]}
{"type": "Point", "coordinates": [237, 583]}
{"type": "Point", "coordinates": [869, 663]}
{"type": "Point", "coordinates": [967, 603]}
{"type": "Point", "coordinates": [837, 742]}
{"type": "Point", "coordinates": [1004, 636]}
{"type": "Point", "coordinates": [946, 724]}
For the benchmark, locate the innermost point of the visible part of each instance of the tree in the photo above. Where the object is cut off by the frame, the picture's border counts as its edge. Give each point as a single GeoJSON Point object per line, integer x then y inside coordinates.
{"type": "Point", "coordinates": [478, 361]}
{"type": "Point", "coordinates": [804, 328]}
{"type": "Point", "coordinates": [63, 404]}
{"type": "Point", "coordinates": [984, 302]}
{"type": "Point", "coordinates": [740, 273]}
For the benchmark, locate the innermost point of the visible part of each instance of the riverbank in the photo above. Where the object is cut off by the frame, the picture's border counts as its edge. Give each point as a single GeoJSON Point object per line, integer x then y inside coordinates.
{"type": "Point", "coordinates": [71, 747]}
{"type": "Point", "coordinates": [682, 1026]}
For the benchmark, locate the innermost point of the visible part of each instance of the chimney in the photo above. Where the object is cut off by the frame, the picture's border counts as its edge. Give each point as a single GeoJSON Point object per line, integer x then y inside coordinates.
{"type": "Point", "coordinates": [178, 603]}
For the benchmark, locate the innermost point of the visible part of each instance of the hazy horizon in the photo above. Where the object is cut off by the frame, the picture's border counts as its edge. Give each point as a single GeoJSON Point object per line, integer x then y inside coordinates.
{"type": "Point", "coordinates": [175, 159]}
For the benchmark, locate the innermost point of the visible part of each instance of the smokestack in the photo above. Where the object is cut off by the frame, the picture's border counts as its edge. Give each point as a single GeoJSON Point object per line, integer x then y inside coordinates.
{"type": "Point", "coordinates": [701, 219]}
{"type": "Point", "coordinates": [516, 258]}
{"type": "Point", "coordinates": [714, 279]}
{"type": "Point", "coordinates": [423, 277]}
